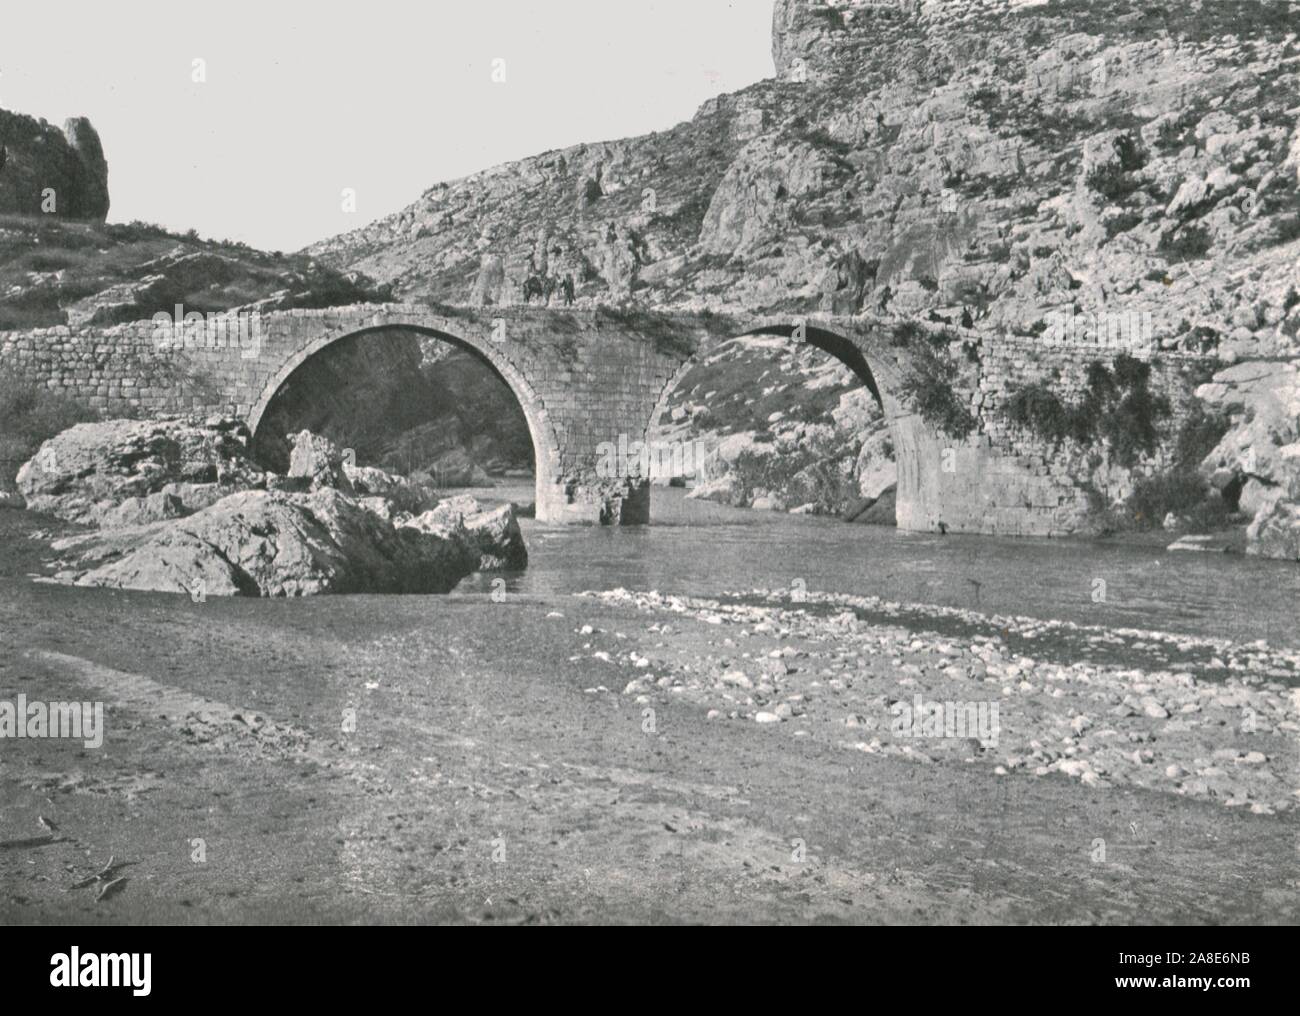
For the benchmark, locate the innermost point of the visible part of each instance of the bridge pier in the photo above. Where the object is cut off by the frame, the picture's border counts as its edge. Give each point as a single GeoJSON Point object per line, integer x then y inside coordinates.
{"type": "Point", "coordinates": [593, 501]}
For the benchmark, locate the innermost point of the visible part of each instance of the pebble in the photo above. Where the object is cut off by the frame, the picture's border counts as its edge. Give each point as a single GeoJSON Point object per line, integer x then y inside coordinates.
{"type": "Point", "coordinates": [1098, 723]}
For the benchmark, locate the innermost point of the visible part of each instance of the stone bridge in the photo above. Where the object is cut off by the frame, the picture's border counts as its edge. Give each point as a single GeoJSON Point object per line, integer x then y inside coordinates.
{"type": "Point", "coordinates": [587, 379]}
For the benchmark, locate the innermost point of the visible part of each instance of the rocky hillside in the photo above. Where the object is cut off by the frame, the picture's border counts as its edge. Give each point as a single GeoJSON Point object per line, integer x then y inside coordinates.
{"type": "Point", "coordinates": [45, 171]}
{"type": "Point", "coordinates": [54, 272]}
{"type": "Point", "coordinates": [1005, 158]}
{"type": "Point", "coordinates": [1054, 168]}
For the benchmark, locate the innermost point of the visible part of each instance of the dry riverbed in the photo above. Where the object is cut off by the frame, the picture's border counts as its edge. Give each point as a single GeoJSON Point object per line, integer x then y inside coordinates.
{"type": "Point", "coordinates": [1199, 717]}
{"type": "Point", "coordinates": [427, 758]}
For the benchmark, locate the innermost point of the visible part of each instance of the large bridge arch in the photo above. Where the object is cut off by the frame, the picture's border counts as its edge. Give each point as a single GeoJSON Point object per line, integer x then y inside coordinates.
{"type": "Point", "coordinates": [546, 454]}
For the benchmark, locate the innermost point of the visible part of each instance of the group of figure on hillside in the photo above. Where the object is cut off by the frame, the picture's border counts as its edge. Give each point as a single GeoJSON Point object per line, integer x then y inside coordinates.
{"type": "Point", "coordinates": [544, 286]}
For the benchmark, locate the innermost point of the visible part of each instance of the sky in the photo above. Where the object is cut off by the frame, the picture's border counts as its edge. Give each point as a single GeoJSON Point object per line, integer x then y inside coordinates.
{"type": "Point", "coordinates": [300, 100]}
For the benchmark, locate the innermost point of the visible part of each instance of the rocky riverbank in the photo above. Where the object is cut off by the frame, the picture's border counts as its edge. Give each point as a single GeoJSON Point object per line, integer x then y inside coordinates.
{"type": "Point", "coordinates": [1203, 718]}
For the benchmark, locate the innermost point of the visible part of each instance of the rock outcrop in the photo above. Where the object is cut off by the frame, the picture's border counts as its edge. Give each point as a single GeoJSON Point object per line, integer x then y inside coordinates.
{"type": "Point", "coordinates": [318, 462]}
{"type": "Point", "coordinates": [270, 543]}
{"type": "Point", "coordinates": [116, 472]}
{"type": "Point", "coordinates": [494, 533]}
{"type": "Point", "coordinates": [1256, 463]}
{"type": "Point", "coordinates": [178, 509]}
{"type": "Point", "coordinates": [46, 171]}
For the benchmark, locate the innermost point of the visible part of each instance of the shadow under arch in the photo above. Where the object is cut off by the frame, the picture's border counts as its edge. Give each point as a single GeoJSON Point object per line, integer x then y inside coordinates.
{"type": "Point", "coordinates": [545, 445]}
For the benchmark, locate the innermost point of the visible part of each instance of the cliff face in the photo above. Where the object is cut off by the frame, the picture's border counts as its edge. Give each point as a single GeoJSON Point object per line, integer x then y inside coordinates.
{"type": "Point", "coordinates": [996, 158]}
{"type": "Point", "coordinates": [52, 172]}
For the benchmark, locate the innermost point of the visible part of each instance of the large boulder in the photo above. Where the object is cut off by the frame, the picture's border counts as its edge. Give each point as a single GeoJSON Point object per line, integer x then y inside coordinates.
{"type": "Point", "coordinates": [875, 468]}
{"type": "Point", "coordinates": [494, 533]}
{"type": "Point", "coordinates": [399, 493]}
{"type": "Point", "coordinates": [318, 462]}
{"type": "Point", "coordinates": [270, 543]}
{"type": "Point", "coordinates": [87, 472]}
{"type": "Point", "coordinates": [1260, 452]}
{"type": "Point", "coordinates": [1275, 531]}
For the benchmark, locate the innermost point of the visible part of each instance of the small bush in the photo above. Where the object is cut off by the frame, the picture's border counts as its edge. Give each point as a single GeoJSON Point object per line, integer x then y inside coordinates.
{"type": "Point", "coordinates": [1183, 492]}
{"type": "Point", "coordinates": [1118, 408]}
{"type": "Point", "coordinates": [1199, 434]}
{"type": "Point", "coordinates": [1129, 414]}
{"type": "Point", "coordinates": [30, 415]}
{"type": "Point", "coordinates": [1110, 181]}
{"type": "Point", "coordinates": [1189, 242]}
{"type": "Point", "coordinates": [1038, 409]}
{"type": "Point", "coordinates": [931, 387]}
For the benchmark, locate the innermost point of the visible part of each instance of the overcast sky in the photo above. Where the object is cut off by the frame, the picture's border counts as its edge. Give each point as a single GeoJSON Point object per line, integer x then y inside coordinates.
{"type": "Point", "coordinates": [384, 96]}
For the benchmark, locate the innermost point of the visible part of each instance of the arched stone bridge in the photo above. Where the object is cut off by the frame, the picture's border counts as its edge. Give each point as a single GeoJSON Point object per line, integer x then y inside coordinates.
{"type": "Point", "coordinates": [585, 378]}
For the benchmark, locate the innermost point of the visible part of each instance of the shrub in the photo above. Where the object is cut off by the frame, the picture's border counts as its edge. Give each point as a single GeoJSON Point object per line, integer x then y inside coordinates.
{"type": "Point", "coordinates": [1110, 181]}
{"type": "Point", "coordinates": [1117, 408]}
{"type": "Point", "coordinates": [1188, 242]}
{"type": "Point", "coordinates": [1038, 409]}
{"type": "Point", "coordinates": [1179, 490]}
{"type": "Point", "coordinates": [930, 386]}
{"type": "Point", "coordinates": [1199, 434]}
{"type": "Point", "coordinates": [1128, 413]}
{"type": "Point", "coordinates": [30, 415]}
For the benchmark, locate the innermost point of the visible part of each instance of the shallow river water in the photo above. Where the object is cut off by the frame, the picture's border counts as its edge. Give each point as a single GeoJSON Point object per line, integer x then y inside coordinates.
{"type": "Point", "coordinates": [705, 550]}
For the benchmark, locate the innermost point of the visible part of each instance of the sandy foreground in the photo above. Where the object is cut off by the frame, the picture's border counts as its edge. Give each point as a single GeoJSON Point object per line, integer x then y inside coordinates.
{"type": "Point", "coordinates": [631, 756]}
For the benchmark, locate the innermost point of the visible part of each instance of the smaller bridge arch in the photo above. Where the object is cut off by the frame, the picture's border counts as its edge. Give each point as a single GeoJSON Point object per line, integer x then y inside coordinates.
{"type": "Point", "coordinates": [875, 369]}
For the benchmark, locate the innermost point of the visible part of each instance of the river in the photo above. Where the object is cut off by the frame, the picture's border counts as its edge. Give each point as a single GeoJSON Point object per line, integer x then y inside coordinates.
{"type": "Point", "coordinates": [701, 549]}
